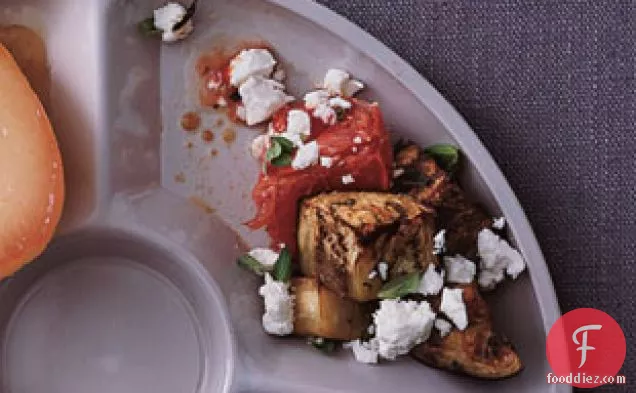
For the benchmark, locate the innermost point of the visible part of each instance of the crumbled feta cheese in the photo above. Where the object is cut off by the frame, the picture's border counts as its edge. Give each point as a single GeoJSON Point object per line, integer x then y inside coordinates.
{"type": "Point", "coordinates": [371, 329]}
{"type": "Point", "coordinates": [293, 138]}
{"type": "Point", "coordinates": [326, 113]}
{"type": "Point", "coordinates": [401, 325]}
{"type": "Point", "coordinates": [499, 223]}
{"type": "Point", "coordinates": [251, 62]}
{"type": "Point", "coordinates": [166, 17]}
{"type": "Point", "coordinates": [327, 162]}
{"type": "Point", "coordinates": [496, 256]}
{"type": "Point", "coordinates": [339, 82]}
{"type": "Point", "coordinates": [453, 306]}
{"type": "Point", "coordinates": [261, 98]}
{"type": "Point", "coordinates": [241, 113]}
{"type": "Point", "coordinates": [373, 274]}
{"type": "Point", "coordinates": [357, 140]}
{"type": "Point", "coordinates": [221, 102]}
{"type": "Point", "coordinates": [383, 269]}
{"type": "Point", "coordinates": [259, 147]}
{"type": "Point", "coordinates": [348, 179]}
{"type": "Point", "coordinates": [432, 281]}
{"type": "Point", "coordinates": [354, 149]}
{"type": "Point", "coordinates": [265, 256]}
{"type": "Point", "coordinates": [315, 98]}
{"type": "Point", "coordinates": [298, 122]}
{"type": "Point", "coordinates": [443, 326]}
{"type": "Point", "coordinates": [364, 352]}
{"type": "Point", "coordinates": [306, 156]}
{"type": "Point", "coordinates": [439, 242]}
{"type": "Point", "coordinates": [338, 102]}
{"type": "Point", "coordinates": [214, 83]}
{"type": "Point", "coordinates": [278, 318]}
{"type": "Point", "coordinates": [459, 270]}
{"type": "Point", "coordinates": [398, 172]}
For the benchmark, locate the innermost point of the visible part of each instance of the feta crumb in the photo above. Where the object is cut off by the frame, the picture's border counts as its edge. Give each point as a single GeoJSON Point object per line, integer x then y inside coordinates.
{"type": "Point", "coordinates": [298, 122]}
{"type": "Point", "coordinates": [251, 62]}
{"type": "Point", "coordinates": [326, 114]}
{"type": "Point", "coordinates": [373, 274]}
{"type": "Point", "coordinates": [401, 325]}
{"type": "Point", "coordinates": [306, 156]}
{"type": "Point", "coordinates": [496, 256]}
{"type": "Point", "coordinates": [453, 306]}
{"type": "Point", "coordinates": [259, 147]}
{"type": "Point", "coordinates": [364, 351]}
{"type": "Point", "coordinates": [265, 256]}
{"type": "Point", "coordinates": [315, 98]}
{"type": "Point", "coordinates": [354, 149]}
{"type": "Point", "coordinates": [339, 82]}
{"type": "Point", "coordinates": [499, 223]}
{"type": "Point", "coordinates": [278, 318]}
{"type": "Point", "coordinates": [398, 172]}
{"type": "Point", "coordinates": [338, 102]}
{"type": "Point", "coordinates": [383, 269]}
{"type": "Point", "coordinates": [348, 179]}
{"type": "Point", "coordinates": [357, 140]}
{"type": "Point", "coordinates": [443, 326]}
{"type": "Point", "coordinates": [371, 329]}
{"type": "Point", "coordinates": [166, 17]}
{"type": "Point", "coordinates": [222, 102]}
{"type": "Point", "coordinates": [439, 242]}
{"type": "Point", "coordinates": [327, 162]}
{"type": "Point", "coordinates": [459, 270]}
{"type": "Point", "coordinates": [432, 281]}
{"type": "Point", "coordinates": [214, 83]}
{"type": "Point", "coordinates": [261, 98]}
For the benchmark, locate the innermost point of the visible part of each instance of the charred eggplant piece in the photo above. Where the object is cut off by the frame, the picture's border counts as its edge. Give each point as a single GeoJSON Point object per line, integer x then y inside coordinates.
{"type": "Point", "coordinates": [342, 236]}
{"type": "Point", "coordinates": [319, 312]}
{"type": "Point", "coordinates": [422, 178]}
{"type": "Point", "coordinates": [477, 351]}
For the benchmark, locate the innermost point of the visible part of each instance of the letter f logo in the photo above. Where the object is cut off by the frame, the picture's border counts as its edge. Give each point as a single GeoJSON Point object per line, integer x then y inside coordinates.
{"type": "Point", "coordinates": [584, 347]}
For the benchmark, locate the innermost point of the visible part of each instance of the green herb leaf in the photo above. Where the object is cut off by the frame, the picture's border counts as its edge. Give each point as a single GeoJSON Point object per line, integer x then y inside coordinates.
{"type": "Point", "coordinates": [188, 15]}
{"type": "Point", "coordinates": [249, 263]}
{"type": "Point", "coordinates": [283, 267]}
{"type": "Point", "coordinates": [446, 156]}
{"type": "Point", "coordinates": [147, 27]}
{"type": "Point", "coordinates": [323, 344]}
{"type": "Point", "coordinates": [274, 151]}
{"type": "Point", "coordinates": [340, 113]}
{"type": "Point", "coordinates": [285, 144]}
{"type": "Point", "coordinates": [400, 286]}
{"type": "Point", "coordinates": [284, 159]}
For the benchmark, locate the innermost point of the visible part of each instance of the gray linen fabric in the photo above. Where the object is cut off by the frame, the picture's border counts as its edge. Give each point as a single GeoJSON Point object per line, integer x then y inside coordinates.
{"type": "Point", "coordinates": [549, 88]}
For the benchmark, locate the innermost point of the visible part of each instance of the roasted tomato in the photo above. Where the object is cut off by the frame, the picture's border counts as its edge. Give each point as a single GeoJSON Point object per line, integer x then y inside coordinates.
{"type": "Point", "coordinates": [359, 146]}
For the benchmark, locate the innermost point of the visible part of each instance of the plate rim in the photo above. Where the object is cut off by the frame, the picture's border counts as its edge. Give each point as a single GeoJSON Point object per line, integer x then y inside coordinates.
{"type": "Point", "coordinates": [460, 130]}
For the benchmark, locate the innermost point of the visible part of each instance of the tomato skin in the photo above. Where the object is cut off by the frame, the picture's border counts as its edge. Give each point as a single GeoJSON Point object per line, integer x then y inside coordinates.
{"type": "Point", "coordinates": [278, 192]}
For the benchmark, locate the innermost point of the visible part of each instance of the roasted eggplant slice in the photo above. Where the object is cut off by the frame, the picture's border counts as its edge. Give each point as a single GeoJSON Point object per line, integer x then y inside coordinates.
{"type": "Point", "coordinates": [319, 312]}
{"type": "Point", "coordinates": [342, 237]}
{"type": "Point", "coordinates": [422, 178]}
{"type": "Point", "coordinates": [477, 351]}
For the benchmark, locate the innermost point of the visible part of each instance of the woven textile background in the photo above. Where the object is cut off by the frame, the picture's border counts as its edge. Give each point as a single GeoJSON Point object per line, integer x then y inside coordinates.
{"type": "Point", "coordinates": [549, 88]}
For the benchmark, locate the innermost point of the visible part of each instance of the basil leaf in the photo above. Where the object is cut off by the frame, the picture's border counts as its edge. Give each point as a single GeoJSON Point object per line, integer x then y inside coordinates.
{"type": "Point", "coordinates": [400, 286]}
{"type": "Point", "coordinates": [286, 145]}
{"type": "Point", "coordinates": [446, 156]}
{"type": "Point", "coordinates": [283, 266]}
{"type": "Point", "coordinates": [188, 15]}
{"type": "Point", "coordinates": [274, 151]}
{"type": "Point", "coordinates": [323, 344]}
{"type": "Point", "coordinates": [284, 159]}
{"type": "Point", "coordinates": [249, 263]}
{"type": "Point", "coordinates": [147, 27]}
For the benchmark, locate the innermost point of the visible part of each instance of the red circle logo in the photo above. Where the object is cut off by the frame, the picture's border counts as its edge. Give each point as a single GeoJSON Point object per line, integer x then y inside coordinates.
{"type": "Point", "coordinates": [586, 348]}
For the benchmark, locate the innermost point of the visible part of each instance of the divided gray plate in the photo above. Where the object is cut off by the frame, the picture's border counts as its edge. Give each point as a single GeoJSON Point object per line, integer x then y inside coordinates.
{"type": "Point", "coordinates": [139, 292]}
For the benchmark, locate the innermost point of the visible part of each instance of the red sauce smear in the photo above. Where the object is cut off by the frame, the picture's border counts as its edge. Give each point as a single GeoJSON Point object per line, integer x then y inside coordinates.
{"type": "Point", "coordinates": [278, 191]}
